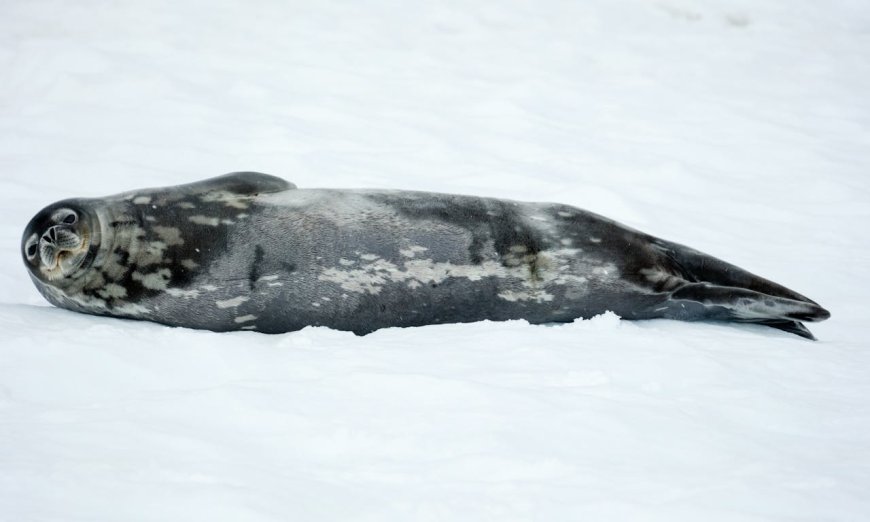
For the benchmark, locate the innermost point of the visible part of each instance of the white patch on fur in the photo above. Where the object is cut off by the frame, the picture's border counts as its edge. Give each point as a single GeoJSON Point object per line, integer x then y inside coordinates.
{"type": "Point", "coordinates": [154, 280]}
{"type": "Point", "coordinates": [531, 295]}
{"type": "Point", "coordinates": [371, 277]}
{"type": "Point", "coordinates": [413, 250]}
{"type": "Point", "coordinates": [270, 280]}
{"type": "Point", "coordinates": [86, 301]}
{"type": "Point", "coordinates": [151, 253]}
{"type": "Point", "coordinates": [186, 294]}
{"type": "Point", "coordinates": [186, 204]}
{"type": "Point", "coordinates": [199, 219]}
{"type": "Point", "coordinates": [131, 310]}
{"type": "Point", "coordinates": [229, 199]}
{"type": "Point", "coordinates": [142, 200]}
{"type": "Point", "coordinates": [231, 303]}
{"type": "Point", "coordinates": [170, 235]}
{"type": "Point", "coordinates": [530, 274]}
{"type": "Point", "coordinates": [111, 291]}
{"type": "Point", "coordinates": [189, 264]}
{"type": "Point", "coordinates": [245, 318]}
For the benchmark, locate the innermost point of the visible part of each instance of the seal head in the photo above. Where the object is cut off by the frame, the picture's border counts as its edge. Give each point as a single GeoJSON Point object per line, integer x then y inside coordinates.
{"type": "Point", "coordinates": [61, 242]}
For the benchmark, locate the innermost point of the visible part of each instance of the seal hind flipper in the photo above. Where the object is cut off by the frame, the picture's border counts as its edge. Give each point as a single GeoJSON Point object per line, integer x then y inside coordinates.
{"type": "Point", "coordinates": [795, 327]}
{"type": "Point", "coordinates": [696, 266]}
{"type": "Point", "coordinates": [705, 301]}
{"type": "Point", "coordinates": [718, 290]}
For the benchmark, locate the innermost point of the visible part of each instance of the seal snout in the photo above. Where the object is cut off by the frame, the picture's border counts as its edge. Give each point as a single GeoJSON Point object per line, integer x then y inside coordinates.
{"type": "Point", "coordinates": [57, 240]}
{"type": "Point", "coordinates": [61, 247]}
{"type": "Point", "coordinates": [62, 237]}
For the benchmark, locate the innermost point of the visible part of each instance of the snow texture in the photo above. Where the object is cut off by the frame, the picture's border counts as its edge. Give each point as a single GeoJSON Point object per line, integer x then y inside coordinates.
{"type": "Point", "coordinates": [738, 127]}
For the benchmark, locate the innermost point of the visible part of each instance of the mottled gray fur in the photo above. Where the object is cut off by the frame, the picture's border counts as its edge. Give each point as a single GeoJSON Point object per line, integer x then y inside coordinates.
{"type": "Point", "coordinates": [248, 251]}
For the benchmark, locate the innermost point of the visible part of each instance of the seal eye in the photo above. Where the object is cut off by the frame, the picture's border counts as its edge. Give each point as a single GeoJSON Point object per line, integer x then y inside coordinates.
{"type": "Point", "coordinates": [31, 250]}
{"type": "Point", "coordinates": [70, 219]}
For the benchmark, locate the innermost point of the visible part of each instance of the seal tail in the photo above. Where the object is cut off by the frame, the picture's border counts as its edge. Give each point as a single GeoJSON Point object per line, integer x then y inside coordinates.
{"type": "Point", "coordinates": [716, 290]}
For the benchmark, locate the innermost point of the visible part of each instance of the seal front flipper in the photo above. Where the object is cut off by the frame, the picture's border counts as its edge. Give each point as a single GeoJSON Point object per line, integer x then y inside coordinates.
{"type": "Point", "coordinates": [241, 183]}
{"type": "Point", "coordinates": [705, 301]}
{"type": "Point", "coordinates": [220, 188]}
{"type": "Point", "coordinates": [246, 184]}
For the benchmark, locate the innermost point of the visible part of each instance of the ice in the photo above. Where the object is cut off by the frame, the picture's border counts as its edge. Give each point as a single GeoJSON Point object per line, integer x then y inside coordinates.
{"type": "Point", "coordinates": [739, 128]}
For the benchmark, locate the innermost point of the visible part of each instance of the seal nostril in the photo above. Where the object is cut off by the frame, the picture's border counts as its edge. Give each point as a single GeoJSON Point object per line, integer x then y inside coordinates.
{"type": "Point", "coordinates": [53, 233]}
{"type": "Point", "coordinates": [47, 239]}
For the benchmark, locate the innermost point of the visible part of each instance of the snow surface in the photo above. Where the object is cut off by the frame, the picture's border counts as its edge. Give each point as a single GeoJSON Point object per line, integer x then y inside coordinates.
{"type": "Point", "coordinates": [739, 127]}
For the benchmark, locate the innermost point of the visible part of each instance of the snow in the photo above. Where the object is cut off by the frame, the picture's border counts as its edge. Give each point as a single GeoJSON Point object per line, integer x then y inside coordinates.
{"type": "Point", "coordinates": [737, 127]}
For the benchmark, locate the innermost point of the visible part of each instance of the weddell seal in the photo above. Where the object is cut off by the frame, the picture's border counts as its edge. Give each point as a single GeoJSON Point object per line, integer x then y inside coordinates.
{"type": "Point", "coordinates": [249, 251]}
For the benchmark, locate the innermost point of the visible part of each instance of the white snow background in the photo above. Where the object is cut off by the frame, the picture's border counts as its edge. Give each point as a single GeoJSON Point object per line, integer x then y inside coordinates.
{"type": "Point", "coordinates": [738, 127]}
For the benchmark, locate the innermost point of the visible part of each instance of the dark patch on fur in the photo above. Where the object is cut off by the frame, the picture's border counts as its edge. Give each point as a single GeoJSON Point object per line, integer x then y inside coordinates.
{"type": "Point", "coordinates": [125, 223]}
{"type": "Point", "coordinates": [534, 268]}
{"type": "Point", "coordinates": [123, 257]}
{"type": "Point", "coordinates": [254, 273]}
{"type": "Point", "coordinates": [485, 219]}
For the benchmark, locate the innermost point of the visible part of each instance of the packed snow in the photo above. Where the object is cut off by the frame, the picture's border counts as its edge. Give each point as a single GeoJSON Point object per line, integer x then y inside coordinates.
{"type": "Point", "coordinates": [738, 127]}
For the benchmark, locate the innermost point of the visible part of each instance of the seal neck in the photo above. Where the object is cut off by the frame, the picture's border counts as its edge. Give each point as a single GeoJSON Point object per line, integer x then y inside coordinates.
{"type": "Point", "coordinates": [120, 226]}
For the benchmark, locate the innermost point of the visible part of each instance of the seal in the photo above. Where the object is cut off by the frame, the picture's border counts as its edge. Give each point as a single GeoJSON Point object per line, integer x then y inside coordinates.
{"type": "Point", "coordinates": [250, 251]}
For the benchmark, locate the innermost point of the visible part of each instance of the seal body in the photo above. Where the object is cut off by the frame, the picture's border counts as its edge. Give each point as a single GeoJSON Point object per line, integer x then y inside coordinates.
{"type": "Point", "coordinates": [248, 251]}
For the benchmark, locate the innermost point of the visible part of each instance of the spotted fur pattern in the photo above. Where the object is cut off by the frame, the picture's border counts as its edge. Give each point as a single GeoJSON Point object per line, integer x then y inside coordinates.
{"type": "Point", "coordinates": [249, 251]}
